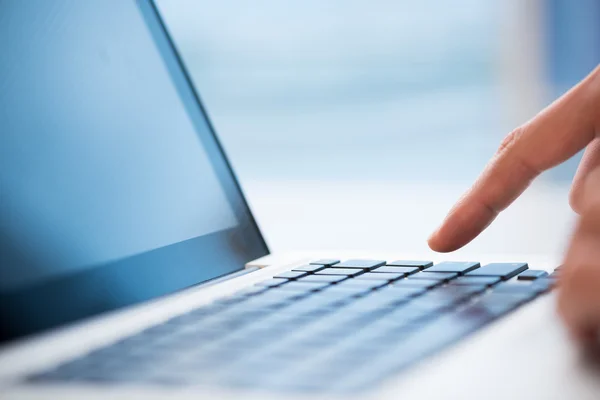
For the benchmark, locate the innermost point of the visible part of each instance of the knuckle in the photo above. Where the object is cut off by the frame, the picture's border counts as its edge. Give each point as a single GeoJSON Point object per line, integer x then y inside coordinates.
{"type": "Point", "coordinates": [508, 154]}
{"type": "Point", "coordinates": [509, 141]}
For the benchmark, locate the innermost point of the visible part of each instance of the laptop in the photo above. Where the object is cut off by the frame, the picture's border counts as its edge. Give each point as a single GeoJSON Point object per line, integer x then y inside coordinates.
{"type": "Point", "coordinates": [132, 267]}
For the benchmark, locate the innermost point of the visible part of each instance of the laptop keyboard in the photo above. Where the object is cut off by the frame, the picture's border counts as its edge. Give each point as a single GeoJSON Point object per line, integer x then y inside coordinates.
{"type": "Point", "coordinates": [325, 326]}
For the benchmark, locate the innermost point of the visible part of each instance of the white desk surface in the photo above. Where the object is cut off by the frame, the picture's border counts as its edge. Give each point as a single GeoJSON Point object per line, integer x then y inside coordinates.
{"type": "Point", "coordinates": [397, 217]}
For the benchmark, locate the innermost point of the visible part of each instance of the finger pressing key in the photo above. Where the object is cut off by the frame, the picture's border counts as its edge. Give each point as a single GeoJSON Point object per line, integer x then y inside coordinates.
{"type": "Point", "coordinates": [553, 136]}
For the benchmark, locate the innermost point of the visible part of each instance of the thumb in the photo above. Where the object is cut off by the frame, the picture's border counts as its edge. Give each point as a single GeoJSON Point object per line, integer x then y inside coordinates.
{"type": "Point", "coordinates": [579, 289]}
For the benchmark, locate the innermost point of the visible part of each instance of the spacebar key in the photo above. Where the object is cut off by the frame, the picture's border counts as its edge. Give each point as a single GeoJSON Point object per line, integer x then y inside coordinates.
{"type": "Point", "coordinates": [503, 270]}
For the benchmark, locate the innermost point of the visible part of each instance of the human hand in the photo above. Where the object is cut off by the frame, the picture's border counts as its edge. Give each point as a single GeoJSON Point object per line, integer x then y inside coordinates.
{"type": "Point", "coordinates": [561, 130]}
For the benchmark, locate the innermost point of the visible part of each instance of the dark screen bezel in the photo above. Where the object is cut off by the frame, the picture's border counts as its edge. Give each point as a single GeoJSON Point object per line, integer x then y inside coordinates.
{"type": "Point", "coordinates": [250, 239]}
{"type": "Point", "coordinates": [189, 82]}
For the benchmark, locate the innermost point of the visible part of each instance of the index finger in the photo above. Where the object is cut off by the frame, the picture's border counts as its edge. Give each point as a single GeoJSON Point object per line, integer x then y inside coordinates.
{"type": "Point", "coordinates": [553, 136]}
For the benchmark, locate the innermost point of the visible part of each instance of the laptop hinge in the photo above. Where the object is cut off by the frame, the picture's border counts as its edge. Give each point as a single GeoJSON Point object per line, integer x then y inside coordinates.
{"type": "Point", "coordinates": [260, 262]}
{"type": "Point", "coordinates": [227, 277]}
{"type": "Point", "coordinates": [278, 259]}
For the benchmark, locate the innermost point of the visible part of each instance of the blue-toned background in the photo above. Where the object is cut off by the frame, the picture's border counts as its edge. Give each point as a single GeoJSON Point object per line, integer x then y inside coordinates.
{"type": "Point", "coordinates": [346, 117]}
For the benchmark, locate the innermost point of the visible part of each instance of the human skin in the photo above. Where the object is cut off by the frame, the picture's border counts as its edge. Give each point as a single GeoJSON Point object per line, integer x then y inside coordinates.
{"type": "Point", "coordinates": [558, 132]}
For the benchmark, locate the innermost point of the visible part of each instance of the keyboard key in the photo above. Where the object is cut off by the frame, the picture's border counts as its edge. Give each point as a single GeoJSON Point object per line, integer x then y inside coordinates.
{"type": "Point", "coordinates": [364, 284]}
{"type": "Point", "coordinates": [476, 280]}
{"type": "Point", "coordinates": [300, 286]}
{"type": "Point", "coordinates": [314, 328]}
{"type": "Point", "coordinates": [320, 301]}
{"type": "Point", "coordinates": [443, 331]}
{"type": "Point", "coordinates": [325, 261]}
{"type": "Point", "coordinates": [339, 271]}
{"type": "Point", "coordinates": [251, 291]}
{"type": "Point", "coordinates": [517, 287]}
{"type": "Point", "coordinates": [452, 294]}
{"type": "Point", "coordinates": [460, 267]}
{"type": "Point", "coordinates": [495, 305]}
{"type": "Point", "coordinates": [323, 278]}
{"type": "Point", "coordinates": [408, 263]}
{"type": "Point", "coordinates": [420, 283]}
{"type": "Point", "coordinates": [422, 304]}
{"type": "Point", "coordinates": [376, 301]}
{"type": "Point", "coordinates": [440, 276]}
{"type": "Point", "coordinates": [503, 270]}
{"type": "Point", "coordinates": [455, 292]}
{"type": "Point", "coordinates": [405, 270]}
{"type": "Point", "coordinates": [271, 282]}
{"type": "Point", "coordinates": [363, 264]}
{"type": "Point", "coordinates": [354, 290]}
{"type": "Point", "coordinates": [330, 293]}
{"type": "Point", "coordinates": [387, 276]}
{"type": "Point", "coordinates": [432, 337]}
{"type": "Point", "coordinates": [399, 291]}
{"type": "Point", "coordinates": [309, 268]}
{"type": "Point", "coordinates": [512, 294]}
{"type": "Point", "coordinates": [460, 290]}
{"type": "Point", "coordinates": [544, 284]}
{"type": "Point", "coordinates": [269, 302]}
{"type": "Point", "coordinates": [491, 307]}
{"type": "Point", "coordinates": [405, 315]}
{"type": "Point", "coordinates": [531, 275]}
{"type": "Point", "coordinates": [291, 275]}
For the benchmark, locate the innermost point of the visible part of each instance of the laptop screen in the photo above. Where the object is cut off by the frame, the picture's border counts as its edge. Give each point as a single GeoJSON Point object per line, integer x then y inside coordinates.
{"type": "Point", "coordinates": [113, 188]}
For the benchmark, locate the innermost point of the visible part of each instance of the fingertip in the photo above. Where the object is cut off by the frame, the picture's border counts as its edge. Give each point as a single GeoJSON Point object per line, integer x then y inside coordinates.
{"type": "Point", "coordinates": [439, 244]}
{"type": "Point", "coordinates": [463, 224]}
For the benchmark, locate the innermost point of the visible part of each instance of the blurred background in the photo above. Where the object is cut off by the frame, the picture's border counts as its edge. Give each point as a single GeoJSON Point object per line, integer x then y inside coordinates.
{"type": "Point", "coordinates": [356, 124]}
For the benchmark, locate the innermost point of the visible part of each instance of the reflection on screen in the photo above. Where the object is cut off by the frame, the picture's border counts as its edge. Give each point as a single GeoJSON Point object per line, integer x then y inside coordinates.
{"type": "Point", "coordinates": [88, 177]}
{"type": "Point", "coordinates": [113, 189]}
